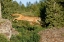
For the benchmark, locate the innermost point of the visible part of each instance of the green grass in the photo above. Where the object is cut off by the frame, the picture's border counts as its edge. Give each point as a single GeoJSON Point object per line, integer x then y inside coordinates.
{"type": "Point", "coordinates": [3, 38]}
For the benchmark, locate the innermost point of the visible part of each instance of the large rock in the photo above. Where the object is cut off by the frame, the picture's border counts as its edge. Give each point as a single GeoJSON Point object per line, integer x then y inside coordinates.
{"type": "Point", "coordinates": [6, 28]}
{"type": "Point", "coordinates": [52, 35]}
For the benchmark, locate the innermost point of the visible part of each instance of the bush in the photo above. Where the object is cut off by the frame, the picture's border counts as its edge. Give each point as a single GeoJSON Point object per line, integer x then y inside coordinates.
{"type": "Point", "coordinates": [28, 33]}
{"type": "Point", "coordinates": [3, 38]}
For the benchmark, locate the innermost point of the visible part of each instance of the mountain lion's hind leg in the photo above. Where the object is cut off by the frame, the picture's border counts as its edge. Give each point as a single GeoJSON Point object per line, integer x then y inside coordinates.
{"type": "Point", "coordinates": [15, 20]}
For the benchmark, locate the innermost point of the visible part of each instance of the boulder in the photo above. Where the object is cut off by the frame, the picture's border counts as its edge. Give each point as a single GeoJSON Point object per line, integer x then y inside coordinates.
{"type": "Point", "coordinates": [6, 28]}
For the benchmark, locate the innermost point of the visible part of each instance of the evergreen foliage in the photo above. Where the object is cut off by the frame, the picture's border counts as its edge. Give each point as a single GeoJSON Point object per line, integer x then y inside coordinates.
{"type": "Point", "coordinates": [54, 14]}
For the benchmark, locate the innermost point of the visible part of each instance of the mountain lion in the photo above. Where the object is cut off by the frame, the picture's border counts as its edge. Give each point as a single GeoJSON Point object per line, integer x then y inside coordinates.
{"type": "Point", "coordinates": [27, 18]}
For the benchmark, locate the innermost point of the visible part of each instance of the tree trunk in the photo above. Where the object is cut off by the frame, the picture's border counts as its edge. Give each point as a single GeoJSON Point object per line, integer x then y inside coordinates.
{"type": "Point", "coordinates": [0, 11]}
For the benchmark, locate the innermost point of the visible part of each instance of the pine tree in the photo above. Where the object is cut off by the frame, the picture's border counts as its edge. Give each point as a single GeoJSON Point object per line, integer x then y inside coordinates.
{"type": "Point", "coordinates": [54, 15]}
{"type": "Point", "coordinates": [6, 8]}
{"type": "Point", "coordinates": [9, 7]}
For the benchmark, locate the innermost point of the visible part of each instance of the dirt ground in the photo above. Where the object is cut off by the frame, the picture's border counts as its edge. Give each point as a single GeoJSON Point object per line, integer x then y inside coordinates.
{"type": "Point", "coordinates": [52, 35]}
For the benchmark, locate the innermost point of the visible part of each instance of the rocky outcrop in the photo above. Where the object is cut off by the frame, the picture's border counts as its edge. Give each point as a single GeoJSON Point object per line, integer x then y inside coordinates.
{"type": "Point", "coordinates": [52, 35]}
{"type": "Point", "coordinates": [6, 28]}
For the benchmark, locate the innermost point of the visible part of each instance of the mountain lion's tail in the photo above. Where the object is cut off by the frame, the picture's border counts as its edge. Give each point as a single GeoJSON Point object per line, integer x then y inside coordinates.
{"type": "Point", "coordinates": [15, 14]}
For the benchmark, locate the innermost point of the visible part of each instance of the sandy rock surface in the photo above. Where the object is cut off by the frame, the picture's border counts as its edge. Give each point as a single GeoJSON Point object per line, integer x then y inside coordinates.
{"type": "Point", "coordinates": [52, 35]}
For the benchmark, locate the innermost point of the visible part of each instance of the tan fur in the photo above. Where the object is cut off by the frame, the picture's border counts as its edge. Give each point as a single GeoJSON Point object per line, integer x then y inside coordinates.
{"type": "Point", "coordinates": [27, 18]}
